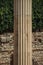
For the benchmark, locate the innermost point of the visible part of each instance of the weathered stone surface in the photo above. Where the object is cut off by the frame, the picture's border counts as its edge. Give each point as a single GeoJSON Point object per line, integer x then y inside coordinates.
{"type": "Point", "coordinates": [37, 47]}
{"type": "Point", "coordinates": [6, 48]}
{"type": "Point", "coordinates": [3, 39]}
{"type": "Point", "coordinates": [6, 38]}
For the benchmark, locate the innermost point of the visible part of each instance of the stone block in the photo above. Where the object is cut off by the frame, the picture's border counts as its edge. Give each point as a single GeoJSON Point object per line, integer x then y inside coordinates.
{"type": "Point", "coordinates": [3, 39]}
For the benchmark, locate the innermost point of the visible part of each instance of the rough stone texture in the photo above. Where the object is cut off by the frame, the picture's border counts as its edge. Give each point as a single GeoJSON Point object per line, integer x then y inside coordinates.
{"type": "Point", "coordinates": [6, 48]}
{"type": "Point", "coordinates": [37, 48]}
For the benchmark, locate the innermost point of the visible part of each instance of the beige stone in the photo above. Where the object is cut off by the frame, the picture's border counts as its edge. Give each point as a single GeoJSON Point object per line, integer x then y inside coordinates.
{"type": "Point", "coordinates": [3, 39]}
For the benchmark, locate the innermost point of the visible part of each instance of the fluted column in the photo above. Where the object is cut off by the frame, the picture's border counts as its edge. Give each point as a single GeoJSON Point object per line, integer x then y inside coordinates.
{"type": "Point", "coordinates": [25, 32]}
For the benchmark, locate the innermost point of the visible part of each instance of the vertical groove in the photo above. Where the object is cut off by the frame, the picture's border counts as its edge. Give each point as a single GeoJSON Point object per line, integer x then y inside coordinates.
{"type": "Point", "coordinates": [27, 31]}
{"type": "Point", "coordinates": [22, 32]}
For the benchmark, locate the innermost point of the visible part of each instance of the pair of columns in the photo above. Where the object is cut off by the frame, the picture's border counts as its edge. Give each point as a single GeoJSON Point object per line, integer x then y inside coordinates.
{"type": "Point", "coordinates": [23, 17]}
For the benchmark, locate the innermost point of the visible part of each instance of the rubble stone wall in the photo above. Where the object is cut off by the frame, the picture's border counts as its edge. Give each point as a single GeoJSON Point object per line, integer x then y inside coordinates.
{"type": "Point", "coordinates": [6, 48]}
{"type": "Point", "coordinates": [37, 48]}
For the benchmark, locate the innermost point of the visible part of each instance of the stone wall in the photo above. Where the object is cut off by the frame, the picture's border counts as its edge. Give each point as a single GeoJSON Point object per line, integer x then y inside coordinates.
{"type": "Point", "coordinates": [37, 48]}
{"type": "Point", "coordinates": [6, 48]}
